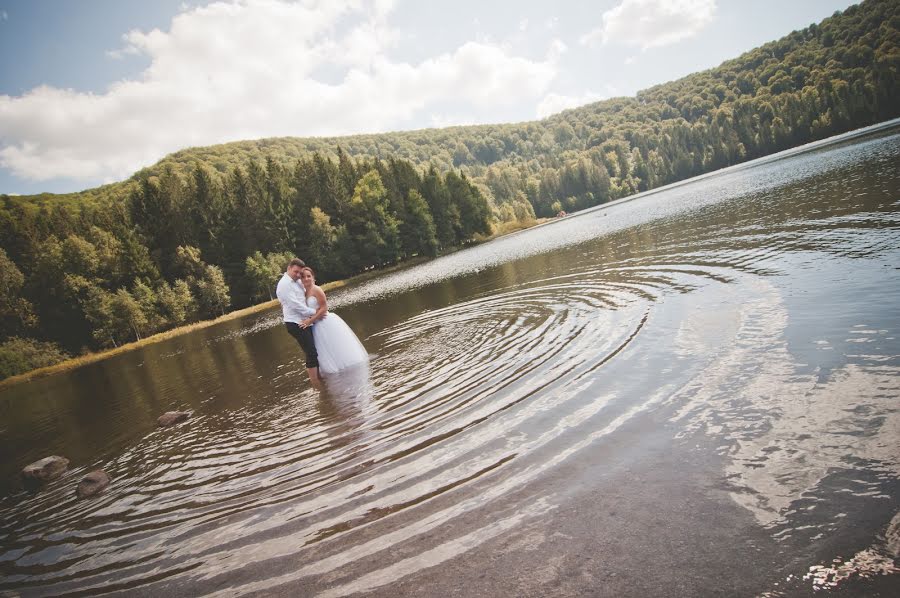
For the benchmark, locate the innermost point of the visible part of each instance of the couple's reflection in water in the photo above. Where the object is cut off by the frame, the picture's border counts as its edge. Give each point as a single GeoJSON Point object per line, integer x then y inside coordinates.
{"type": "Point", "coordinates": [344, 400]}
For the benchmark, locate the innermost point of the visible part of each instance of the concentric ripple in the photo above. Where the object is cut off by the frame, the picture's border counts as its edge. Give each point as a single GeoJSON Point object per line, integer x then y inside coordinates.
{"type": "Point", "coordinates": [743, 310]}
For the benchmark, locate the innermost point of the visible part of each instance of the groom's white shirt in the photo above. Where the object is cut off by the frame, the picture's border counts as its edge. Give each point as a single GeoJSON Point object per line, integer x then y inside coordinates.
{"type": "Point", "coordinates": [293, 300]}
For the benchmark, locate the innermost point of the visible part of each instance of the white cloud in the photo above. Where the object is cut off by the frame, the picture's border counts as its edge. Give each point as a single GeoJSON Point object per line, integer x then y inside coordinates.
{"type": "Point", "coordinates": [652, 23]}
{"type": "Point", "coordinates": [553, 102]}
{"type": "Point", "coordinates": [120, 53]}
{"type": "Point", "coordinates": [245, 70]}
{"type": "Point", "coordinates": [3, 15]}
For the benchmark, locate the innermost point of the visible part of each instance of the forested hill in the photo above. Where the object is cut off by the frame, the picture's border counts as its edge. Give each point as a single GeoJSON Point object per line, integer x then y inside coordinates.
{"type": "Point", "coordinates": [811, 84]}
{"type": "Point", "coordinates": [157, 250]}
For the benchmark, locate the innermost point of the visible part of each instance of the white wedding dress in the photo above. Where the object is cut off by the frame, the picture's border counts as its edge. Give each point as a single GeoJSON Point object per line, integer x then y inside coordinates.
{"type": "Point", "coordinates": [337, 346]}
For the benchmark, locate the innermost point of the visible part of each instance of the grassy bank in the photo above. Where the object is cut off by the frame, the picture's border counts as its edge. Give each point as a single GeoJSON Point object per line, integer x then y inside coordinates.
{"type": "Point", "coordinates": [76, 362]}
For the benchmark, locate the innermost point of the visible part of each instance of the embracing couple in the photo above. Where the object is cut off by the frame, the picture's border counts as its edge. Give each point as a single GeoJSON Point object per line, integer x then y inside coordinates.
{"type": "Point", "coordinates": [327, 341]}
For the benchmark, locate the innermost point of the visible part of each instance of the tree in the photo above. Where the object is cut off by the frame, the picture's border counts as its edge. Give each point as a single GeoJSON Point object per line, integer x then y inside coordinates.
{"type": "Point", "coordinates": [263, 272]}
{"type": "Point", "coordinates": [79, 256]}
{"type": "Point", "coordinates": [347, 172]}
{"type": "Point", "coordinates": [471, 206]}
{"type": "Point", "coordinates": [278, 207]}
{"type": "Point", "coordinates": [418, 234]}
{"type": "Point", "coordinates": [108, 252]}
{"type": "Point", "coordinates": [444, 214]}
{"type": "Point", "coordinates": [117, 317]}
{"type": "Point", "coordinates": [16, 312]}
{"type": "Point", "coordinates": [175, 302]}
{"type": "Point", "coordinates": [204, 208]}
{"type": "Point", "coordinates": [206, 282]}
{"type": "Point", "coordinates": [257, 271]}
{"type": "Point", "coordinates": [278, 263]}
{"type": "Point", "coordinates": [153, 207]}
{"type": "Point", "coordinates": [323, 240]}
{"type": "Point", "coordinates": [135, 258]}
{"type": "Point", "coordinates": [374, 230]}
{"type": "Point", "coordinates": [19, 355]}
{"type": "Point", "coordinates": [188, 262]}
{"type": "Point", "coordinates": [212, 293]}
{"type": "Point", "coordinates": [127, 314]}
{"type": "Point", "coordinates": [148, 302]}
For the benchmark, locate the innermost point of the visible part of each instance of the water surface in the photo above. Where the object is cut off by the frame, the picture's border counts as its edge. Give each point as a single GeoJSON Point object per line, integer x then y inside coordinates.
{"type": "Point", "coordinates": [691, 392]}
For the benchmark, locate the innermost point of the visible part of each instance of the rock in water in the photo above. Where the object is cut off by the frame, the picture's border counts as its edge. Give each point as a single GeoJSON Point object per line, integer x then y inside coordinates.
{"type": "Point", "coordinates": [48, 468]}
{"type": "Point", "coordinates": [92, 483]}
{"type": "Point", "coordinates": [170, 418]}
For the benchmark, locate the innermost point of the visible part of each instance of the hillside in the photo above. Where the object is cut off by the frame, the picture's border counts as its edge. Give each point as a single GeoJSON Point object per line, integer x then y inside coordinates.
{"type": "Point", "coordinates": [813, 83]}
{"type": "Point", "coordinates": [157, 250]}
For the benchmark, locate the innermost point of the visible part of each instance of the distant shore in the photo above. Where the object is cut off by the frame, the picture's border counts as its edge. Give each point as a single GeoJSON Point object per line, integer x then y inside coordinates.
{"type": "Point", "coordinates": [93, 357]}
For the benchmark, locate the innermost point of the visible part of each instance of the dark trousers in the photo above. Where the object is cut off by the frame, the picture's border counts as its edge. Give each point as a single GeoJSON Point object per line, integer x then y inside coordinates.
{"type": "Point", "coordinates": [304, 337]}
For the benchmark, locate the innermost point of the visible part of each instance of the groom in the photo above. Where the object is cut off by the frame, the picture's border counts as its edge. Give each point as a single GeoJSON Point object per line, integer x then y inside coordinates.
{"type": "Point", "coordinates": [293, 304]}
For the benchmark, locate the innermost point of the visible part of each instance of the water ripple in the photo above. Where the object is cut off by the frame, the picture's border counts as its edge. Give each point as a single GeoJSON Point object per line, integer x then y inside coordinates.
{"type": "Point", "coordinates": [693, 303]}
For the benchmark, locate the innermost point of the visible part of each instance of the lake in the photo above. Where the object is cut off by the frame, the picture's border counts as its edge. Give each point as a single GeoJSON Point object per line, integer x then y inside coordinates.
{"type": "Point", "coordinates": [691, 392]}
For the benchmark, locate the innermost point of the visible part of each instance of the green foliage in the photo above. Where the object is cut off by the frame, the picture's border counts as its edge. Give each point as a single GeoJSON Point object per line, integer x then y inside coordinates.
{"type": "Point", "coordinates": [202, 230]}
{"type": "Point", "coordinates": [126, 314]}
{"type": "Point", "coordinates": [175, 304]}
{"type": "Point", "coordinates": [188, 262]}
{"type": "Point", "coordinates": [19, 355]}
{"type": "Point", "coordinates": [418, 235]}
{"type": "Point", "coordinates": [321, 243]}
{"type": "Point", "coordinates": [147, 300]}
{"type": "Point", "coordinates": [79, 256]}
{"type": "Point", "coordinates": [206, 282]}
{"type": "Point", "coordinates": [263, 272]}
{"type": "Point", "coordinates": [118, 272]}
{"type": "Point", "coordinates": [472, 209]}
{"type": "Point", "coordinates": [212, 293]}
{"type": "Point", "coordinates": [374, 229]}
{"type": "Point", "coordinates": [16, 312]}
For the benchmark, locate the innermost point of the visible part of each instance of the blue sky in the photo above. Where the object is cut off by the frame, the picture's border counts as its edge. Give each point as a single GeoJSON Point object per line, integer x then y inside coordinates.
{"type": "Point", "coordinates": [92, 91]}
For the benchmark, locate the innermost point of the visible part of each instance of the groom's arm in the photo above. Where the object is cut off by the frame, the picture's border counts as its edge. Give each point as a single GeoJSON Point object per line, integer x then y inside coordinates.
{"type": "Point", "coordinates": [289, 294]}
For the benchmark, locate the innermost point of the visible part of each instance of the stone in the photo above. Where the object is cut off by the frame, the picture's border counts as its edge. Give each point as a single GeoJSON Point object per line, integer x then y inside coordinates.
{"type": "Point", "coordinates": [170, 418]}
{"type": "Point", "coordinates": [92, 483]}
{"type": "Point", "coordinates": [48, 468]}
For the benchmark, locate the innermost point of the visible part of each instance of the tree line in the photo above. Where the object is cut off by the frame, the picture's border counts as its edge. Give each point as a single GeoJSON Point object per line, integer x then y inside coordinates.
{"type": "Point", "coordinates": [182, 249]}
{"type": "Point", "coordinates": [157, 250]}
{"type": "Point", "coordinates": [828, 78]}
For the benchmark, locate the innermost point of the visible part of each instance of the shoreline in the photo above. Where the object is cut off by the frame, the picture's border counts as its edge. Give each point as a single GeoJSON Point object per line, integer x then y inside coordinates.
{"type": "Point", "coordinates": [505, 230]}
{"type": "Point", "coordinates": [93, 357]}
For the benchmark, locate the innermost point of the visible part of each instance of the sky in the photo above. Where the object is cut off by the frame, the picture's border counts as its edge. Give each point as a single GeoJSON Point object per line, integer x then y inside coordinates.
{"type": "Point", "coordinates": [94, 90]}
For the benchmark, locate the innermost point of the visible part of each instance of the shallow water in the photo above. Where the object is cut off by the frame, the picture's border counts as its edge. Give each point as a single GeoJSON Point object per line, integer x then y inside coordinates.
{"type": "Point", "coordinates": [743, 325]}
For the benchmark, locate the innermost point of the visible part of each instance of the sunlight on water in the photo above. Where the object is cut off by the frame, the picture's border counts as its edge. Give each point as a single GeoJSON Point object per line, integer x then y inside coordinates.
{"type": "Point", "coordinates": [750, 316]}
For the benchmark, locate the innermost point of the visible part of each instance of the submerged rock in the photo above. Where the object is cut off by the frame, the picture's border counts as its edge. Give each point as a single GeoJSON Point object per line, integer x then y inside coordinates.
{"type": "Point", "coordinates": [48, 468]}
{"type": "Point", "coordinates": [170, 418]}
{"type": "Point", "coordinates": [92, 483]}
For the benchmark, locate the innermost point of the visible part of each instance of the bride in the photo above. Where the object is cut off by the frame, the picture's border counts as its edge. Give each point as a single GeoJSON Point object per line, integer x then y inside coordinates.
{"type": "Point", "coordinates": [336, 344]}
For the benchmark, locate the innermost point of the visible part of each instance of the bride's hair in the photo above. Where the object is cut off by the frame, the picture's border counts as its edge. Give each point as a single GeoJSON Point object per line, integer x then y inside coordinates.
{"type": "Point", "coordinates": [311, 271]}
